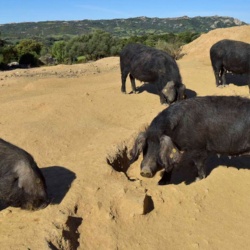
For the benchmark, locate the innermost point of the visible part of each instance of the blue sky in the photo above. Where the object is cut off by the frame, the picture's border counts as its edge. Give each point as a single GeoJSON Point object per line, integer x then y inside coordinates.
{"type": "Point", "coordinates": [50, 10]}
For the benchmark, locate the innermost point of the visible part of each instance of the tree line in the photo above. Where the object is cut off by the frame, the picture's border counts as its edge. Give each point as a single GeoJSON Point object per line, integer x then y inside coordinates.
{"type": "Point", "coordinates": [79, 49]}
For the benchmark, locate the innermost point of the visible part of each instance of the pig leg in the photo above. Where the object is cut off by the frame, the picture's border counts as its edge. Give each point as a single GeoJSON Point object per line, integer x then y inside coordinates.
{"type": "Point", "coordinates": [199, 159]}
{"type": "Point", "coordinates": [165, 179]}
{"type": "Point", "coordinates": [223, 77]}
{"type": "Point", "coordinates": [248, 80]}
{"type": "Point", "coordinates": [132, 79]}
{"type": "Point", "coordinates": [124, 77]}
{"type": "Point", "coordinates": [217, 67]}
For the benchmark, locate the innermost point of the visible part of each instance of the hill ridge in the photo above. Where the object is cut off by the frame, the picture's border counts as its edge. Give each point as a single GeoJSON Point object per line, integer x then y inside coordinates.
{"type": "Point", "coordinates": [120, 27]}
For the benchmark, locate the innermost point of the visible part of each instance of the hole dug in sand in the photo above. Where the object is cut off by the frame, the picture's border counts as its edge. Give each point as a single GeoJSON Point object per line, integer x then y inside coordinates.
{"type": "Point", "coordinates": [119, 160]}
{"type": "Point", "coordinates": [135, 200]}
{"type": "Point", "coordinates": [148, 204]}
{"type": "Point", "coordinates": [69, 234]}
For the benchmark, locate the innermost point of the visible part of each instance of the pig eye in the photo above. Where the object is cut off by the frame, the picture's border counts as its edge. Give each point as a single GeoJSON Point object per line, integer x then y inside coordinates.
{"type": "Point", "coordinates": [159, 162]}
{"type": "Point", "coordinates": [15, 181]}
{"type": "Point", "coordinates": [145, 149]}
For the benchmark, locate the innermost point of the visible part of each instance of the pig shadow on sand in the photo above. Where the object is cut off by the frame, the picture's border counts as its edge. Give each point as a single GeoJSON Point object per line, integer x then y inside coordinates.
{"type": "Point", "coordinates": [188, 173]}
{"type": "Point", "coordinates": [58, 181]}
{"type": "Point", "coordinates": [151, 88]}
{"type": "Point", "coordinates": [236, 79]}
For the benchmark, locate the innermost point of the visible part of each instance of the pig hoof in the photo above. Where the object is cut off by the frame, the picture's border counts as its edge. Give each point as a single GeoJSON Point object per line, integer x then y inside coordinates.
{"type": "Point", "coordinates": [146, 173]}
{"type": "Point", "coordinates": [163, 182]}
{"type": "Point", "coordinates": [221, 86]}
{"type": "Point", "coordinates": [199, 178]}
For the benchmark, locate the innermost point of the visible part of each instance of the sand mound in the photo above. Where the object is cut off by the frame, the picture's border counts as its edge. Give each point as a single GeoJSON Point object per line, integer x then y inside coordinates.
{"type": "Point", "coordinates": [199, 48]}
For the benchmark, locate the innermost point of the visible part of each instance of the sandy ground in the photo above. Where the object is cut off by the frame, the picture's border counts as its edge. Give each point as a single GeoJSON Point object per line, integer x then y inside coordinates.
{"type": "Point", "coordinates": [72, 118]}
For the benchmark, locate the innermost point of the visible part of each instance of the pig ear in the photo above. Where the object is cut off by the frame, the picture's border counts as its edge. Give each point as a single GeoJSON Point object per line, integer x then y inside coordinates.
{"type": "Point", "coordinates": [25, 176]}
{"type": "Point", "coordinates": [169, 91]}
{"type": "Point", "coordinates": [170, 84]}
{"type": "Point", "coordinates": [138, 147]}
{"type": "Point", "coordinates": [165, 150]}
{"type": "Point", "coordinates": [169, 154]}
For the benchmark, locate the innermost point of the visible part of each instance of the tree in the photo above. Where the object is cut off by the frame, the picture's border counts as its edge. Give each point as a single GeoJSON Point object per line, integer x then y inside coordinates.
{"type": "Point", "coordinates": [28, 51]}
{"type": "Point", "coordinates": [59, 52]}
{"type": "Point", "coordinates": [92, 46]}
{"type": "Point", "coordinates": [1, 41]}
{"type": "Point", "coordinates": [173, 49]}
{"type": "Point", "coordinates": [29, 46]}
{"type": "Point", "coordinates": [9, 53]}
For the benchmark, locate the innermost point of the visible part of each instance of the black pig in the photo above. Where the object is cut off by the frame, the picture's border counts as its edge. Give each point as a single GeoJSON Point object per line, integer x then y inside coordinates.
{"type": "Point", "coordinates": [192, 129]}
{"type": "Point", "coordinates": [229, 55]}
{"type": "Point", "coordinates": [150, 65]}
{"type": "Point", "coordinates": [21, 181]}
